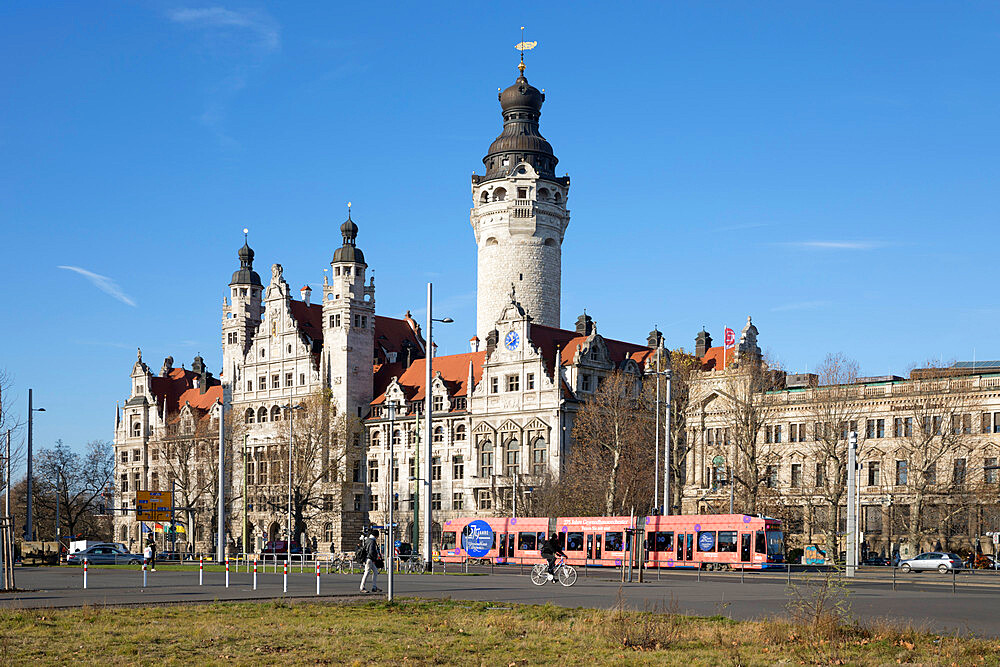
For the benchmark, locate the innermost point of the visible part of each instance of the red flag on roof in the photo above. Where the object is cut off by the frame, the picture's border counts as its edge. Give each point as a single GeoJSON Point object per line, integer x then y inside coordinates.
{"type": "Point", "coordinates": [730, 337]}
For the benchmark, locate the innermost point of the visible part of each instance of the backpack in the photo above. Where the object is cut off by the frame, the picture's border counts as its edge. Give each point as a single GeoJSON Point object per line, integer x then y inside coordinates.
{"type": "Point", "coordinates": [361, 553]}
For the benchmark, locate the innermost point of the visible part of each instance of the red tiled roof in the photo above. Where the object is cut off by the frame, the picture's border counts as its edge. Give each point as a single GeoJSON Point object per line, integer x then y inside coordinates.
{"type": "Point", "coordinates": [177, 388]}
{"type": "Point", "coordinates": [712, 361]}
{"type": "Point", "coordinates": [454, 370]}
{"type": "Point", "coordinates": [546, 339]}
{"type": "Point", "coordinates": [309, 318]}
{"type": "Point", "coordinates": [390, 333]}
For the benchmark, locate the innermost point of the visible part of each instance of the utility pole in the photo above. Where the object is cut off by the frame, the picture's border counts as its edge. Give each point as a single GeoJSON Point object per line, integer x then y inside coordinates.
{"type": "Point", "coordinates": [390, 406]}
{"type": "Point", "coordinates": [6, 495]}
{"type": "Point", "coordinates": [244, 528]}
{"type": "Point", "coordinates": [220, 542]}
{"type": "Point", "coordinates": [29, 533]}
{"type": "Point", "coordinates": [852, 507]}
{"type": "Point", "coordinates": [428, 431]}
{"type": "Point", "coordinates": [666, 448]}
{"type": "Point", "coordinates": [656, 431]}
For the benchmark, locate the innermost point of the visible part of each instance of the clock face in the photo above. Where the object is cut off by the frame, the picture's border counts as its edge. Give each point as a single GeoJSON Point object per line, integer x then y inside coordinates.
{"type": "Point", "coordinates": [511, 340]}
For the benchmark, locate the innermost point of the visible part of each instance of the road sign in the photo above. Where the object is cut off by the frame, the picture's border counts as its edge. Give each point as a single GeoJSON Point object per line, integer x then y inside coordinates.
{"type": "Point", "coordinates": [153, 505]}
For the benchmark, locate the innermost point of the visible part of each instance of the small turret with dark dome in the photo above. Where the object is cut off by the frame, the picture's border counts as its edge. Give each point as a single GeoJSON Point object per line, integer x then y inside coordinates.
{"type": "Point", "coordinates": [349, 252]}
{"type": "Point", "coordinates": [246, 275]}
{"type": "Point", "coordinates": [520, 140]}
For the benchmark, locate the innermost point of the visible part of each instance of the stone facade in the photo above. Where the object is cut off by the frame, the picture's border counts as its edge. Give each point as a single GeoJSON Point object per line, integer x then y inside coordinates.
{"type": "Point", "coordinates": [926, 449]}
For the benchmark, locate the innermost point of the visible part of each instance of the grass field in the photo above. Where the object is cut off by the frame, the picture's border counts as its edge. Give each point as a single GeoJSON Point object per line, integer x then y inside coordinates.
{"type": "Point", "coordinates": [450, 632]}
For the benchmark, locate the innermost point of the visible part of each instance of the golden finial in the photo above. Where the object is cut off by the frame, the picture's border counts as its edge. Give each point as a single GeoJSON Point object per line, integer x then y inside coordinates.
{"type": "Point", "coordinates": [523, 46]}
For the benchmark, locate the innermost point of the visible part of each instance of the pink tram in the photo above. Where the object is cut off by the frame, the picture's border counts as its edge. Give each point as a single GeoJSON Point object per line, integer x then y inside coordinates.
{"type": "Point", "coordinates": [712, 541]}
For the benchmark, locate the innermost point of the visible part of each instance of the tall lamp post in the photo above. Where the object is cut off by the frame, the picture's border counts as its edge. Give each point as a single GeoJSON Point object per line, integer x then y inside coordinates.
{"type": "Point", "coordinates": [390, 407]}
{"type": "Point", "coordinates": [666, 446]}
{"type": "Point", "coordinates": [288, 544]}
{"type": "Point", "coordinates": [429, 427]}
{"type": "Point", "coordinates": [29, 531]}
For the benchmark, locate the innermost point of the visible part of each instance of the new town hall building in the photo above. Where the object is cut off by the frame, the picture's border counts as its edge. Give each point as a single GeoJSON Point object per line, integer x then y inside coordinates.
{"type": "Point", "coordinates": [503, 412]}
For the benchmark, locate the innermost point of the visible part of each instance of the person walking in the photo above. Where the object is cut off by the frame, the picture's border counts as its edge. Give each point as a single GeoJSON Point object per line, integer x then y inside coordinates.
{"type": "Point", "coordinates": [372, 561]}
{"type": "Point", "coordinates": [152, 555]}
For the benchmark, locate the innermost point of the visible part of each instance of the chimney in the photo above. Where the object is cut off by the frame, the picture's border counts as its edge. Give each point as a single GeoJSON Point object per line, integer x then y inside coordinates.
{"type": "Point", "coordinates": [702, 342]}
{"type": "Point", "coordinates": [585, 324]}
{"type": "Point", "coordinates": [305, 292]}
{"type": "Point", "coordinates": [474, 343]}
{"type": "Point", "coordinates": [655, 339]}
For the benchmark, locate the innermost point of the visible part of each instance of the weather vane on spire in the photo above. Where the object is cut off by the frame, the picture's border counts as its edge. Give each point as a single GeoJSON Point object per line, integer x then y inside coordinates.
{"type": "Point", "coordinates": [245, 232]}
{"type": "Point", "coordinates": [523, 46]}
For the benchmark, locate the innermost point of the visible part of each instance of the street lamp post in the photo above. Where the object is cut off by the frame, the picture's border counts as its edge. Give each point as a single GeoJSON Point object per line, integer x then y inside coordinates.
{"type": "Point", "coordinates": [29, 532]}
{"type": "Point", "coordinates": [390, 407]}
{"type": "Point", "coordinates": [429, 426]}
{"type": "Point", "coordinates": [244, 527]}
{"type": "Point", "coordinates": [666, 447]}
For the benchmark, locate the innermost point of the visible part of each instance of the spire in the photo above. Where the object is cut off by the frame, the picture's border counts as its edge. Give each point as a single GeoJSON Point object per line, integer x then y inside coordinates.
{"type": "Point", "coordinates": [246, 275]}
{"type": "Point", "coordinates": [349, 251]}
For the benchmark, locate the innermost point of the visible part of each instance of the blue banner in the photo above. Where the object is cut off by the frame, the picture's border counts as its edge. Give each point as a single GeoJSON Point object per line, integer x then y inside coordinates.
{"type": "Point", "coordinates": [706, 541]}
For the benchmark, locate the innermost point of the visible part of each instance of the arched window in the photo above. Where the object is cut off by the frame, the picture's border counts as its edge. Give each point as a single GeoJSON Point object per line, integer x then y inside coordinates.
{"type": "Point", "coordinates": [557, 197]}
{"type": "Point", "coordinates": [485, 197]}
{"type": "Point", "coordinates": [438, 434]}
{"type": "Point", "coordinates": [262, 415]}
{"type": "Point", "coordinates": [491, 241]}
{"type": "Point", "coordinates": [512, 457]}
{"type": "Point", "coordinates": [551, 242]}
{"type": "Point", "coordinates": [395, 437]}
{"type": "Point", "coordinates": [136, 429]}
{"type": "Point", "coordinates": [543, 193]}
{"type": "Point", "coordinates": [124, 534]}
{"type": "Point", "coordinates": [539, 450]}
{"type": "Point", "coordinates": [248, 418]}
{"type": "Point", "coordinates": [460, 432]}
{"type": "Point", "coordinates": [486, 459]}
{"type": "Point", "coordinates": [275, 414]}
{"type": "Point", "coordinates": [376, 438]}
{"type": "Point", "coordinates": [499, 194]}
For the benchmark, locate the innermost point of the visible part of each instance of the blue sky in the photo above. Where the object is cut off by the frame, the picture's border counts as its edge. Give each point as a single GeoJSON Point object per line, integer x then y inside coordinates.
{"type": "Point", "coordinates": [828, 168]}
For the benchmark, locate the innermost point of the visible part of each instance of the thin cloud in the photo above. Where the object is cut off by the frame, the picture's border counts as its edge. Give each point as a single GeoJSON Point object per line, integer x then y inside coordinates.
{"type": "Point", "coordinates": [103, 283]}
{"type": "Point", "coordinates": [256, 22]}
{"type": "Point", "coordinates": [836, 245]}
{"type": "Point", "coordinates": [800, 305]}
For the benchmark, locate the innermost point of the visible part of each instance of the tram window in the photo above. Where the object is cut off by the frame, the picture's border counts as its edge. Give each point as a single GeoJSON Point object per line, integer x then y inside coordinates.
{"type": "Point", "coordinates": [706, 541]}
{"type": "Point", "coordinates": [574, 541]}
{"type": "Point", "coordinates": [727, 541]}
{"type": "Point", "coordinates": [759, 543]}
{"type": "Point", "coordinates": [544, 536]}
{"type": "Point", "coordinates": [664, 541]}
{"type": "Point", "coordinates": [447, 540]}
{"type": "Point", "coordinates": [613, 542]}
{"type": "Point", "coordinates": [526, 541]}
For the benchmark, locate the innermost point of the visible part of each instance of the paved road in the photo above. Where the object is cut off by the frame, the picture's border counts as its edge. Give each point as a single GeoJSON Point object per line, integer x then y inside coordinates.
{"type": "Point", "coordinates": [925, 600]}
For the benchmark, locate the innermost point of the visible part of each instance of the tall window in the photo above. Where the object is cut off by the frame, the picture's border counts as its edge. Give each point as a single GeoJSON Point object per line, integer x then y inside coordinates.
{"type": "Point", "coordinates": [435, 468]}
{"type": "Point", "coordinates": [820, 474]}
{"type": "Point", "coordinates": [457, 468]}
{"type": "Point", "coordinates": [485, 501]}
{"type": "Point", "coordinates": [438, 434]}
{"type": "Point", "coordinates": [538, 456]}
{"type": "Point", "coordinates": [396, 439]}
{"type": "Point", "coordinates": [930, 474]}
{"type": "Point", "coordinates": [275, 381]}
{"type": "Point", "coordinates": [413, 468]}
{"type": "Point", "coordinates": [457, 501]}
{"type": "Point", "coordinates": [796, 480]}
{"type": "Point", "coordinates": [437, 403]}
{"type": "Point", "coordinates": [373, 471]}
{"type": "Point", "coordinates": [873, 470]}
{"type": "Point", "coordinates": [460, 432]}
{"type": "Point", "coordinates": [512, 456]}
{"type": "Point", "coordinates": [374, 502]}
{"type": "Point", "coordinates": [989, 470]}
{"type": "Point", "coordinates": [356, 473]}
{"type": "Point", "coordinates": [136, 429]}
{"type": "Point", "coordinates": [494, 385]}
{"type": "Point", "coordinates": [529, 381]}
{"type": "Point", "coordinates": [958, 472]}
{"type": "Point", "coordinates": [262, 415]}
{"type": "Point", "coordinates": [486, 459]}
{"type": "Point", "coordinates": [435, 501]}
{"type": "Point", "coordinates": [902, 473]}
{"type": "Point", "coordinates": [289, 379]}
{"type": "Point", "coordinates": [513, 382]}
{"type": "Point", "coordinates": [771, 477]}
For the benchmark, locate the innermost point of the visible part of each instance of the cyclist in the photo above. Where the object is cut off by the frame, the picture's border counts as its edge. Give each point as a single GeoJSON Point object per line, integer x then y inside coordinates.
{"type": "Point", "coordinates": [550, 549]}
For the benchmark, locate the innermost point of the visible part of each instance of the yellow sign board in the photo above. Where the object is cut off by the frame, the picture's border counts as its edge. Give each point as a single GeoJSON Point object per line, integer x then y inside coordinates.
{"type": "Point", "coordinates": [153, 505]}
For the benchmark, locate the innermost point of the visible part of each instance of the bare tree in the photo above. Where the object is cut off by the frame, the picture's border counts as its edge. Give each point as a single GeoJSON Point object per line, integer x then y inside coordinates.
{"type": "Point", "coordinates": [78, 482]}
{"type": "Point", "coordinates": [749, 408]}
{"type": "Point", "coordinates": [610, 468]}
{"type": "Point", "coordinates": [682, 365]}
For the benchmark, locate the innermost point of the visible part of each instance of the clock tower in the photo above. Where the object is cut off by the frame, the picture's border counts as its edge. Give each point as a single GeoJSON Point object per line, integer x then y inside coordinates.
{"type": "Point", "coordinates": [519, 215]}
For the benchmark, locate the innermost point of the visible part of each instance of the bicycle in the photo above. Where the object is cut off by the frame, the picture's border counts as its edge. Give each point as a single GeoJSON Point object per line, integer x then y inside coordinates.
{"type": "Point", "coordinates": [565, 574]}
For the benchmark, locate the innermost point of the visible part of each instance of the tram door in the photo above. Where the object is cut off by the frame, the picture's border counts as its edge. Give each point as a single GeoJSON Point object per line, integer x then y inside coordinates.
{"type": "Point", "coordinates": [680, 546]}
{"type": "Point", "coordinates": [689, 539]}
{"type": "Point", "coordinates": [745, 547]}
{"type": "Point", "coordinates": [594, 546]}
{"type": "Point", "coordinates": [502, 546]}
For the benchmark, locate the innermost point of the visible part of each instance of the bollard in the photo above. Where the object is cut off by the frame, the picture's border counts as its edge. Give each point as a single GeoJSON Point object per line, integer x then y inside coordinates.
{"type": "Point", "coordinates": [788, 567]}
{"type": "Point", "coordinates": [286, 576]}
{"type": "Point", "coordinates": [742, 573]}
{"type": "Point", "coordinates": [201, 570]}
{"type": "Point", "coordinates": [317, 577]}
{"type": "Point", "coordinates": [143, 572]}
{"type": "Point", "coordinates": [255, 574]}
{"type": "Point", "coordinates": [893, 577]}
{"type": "Point", "coordinates": [84, 572]}
{"type": "Point", "coordinates": [227, 573]}
{"type": "Point", "coordinates": [954, 572]}
{"type": "Point", "coordinates": [699, 571]}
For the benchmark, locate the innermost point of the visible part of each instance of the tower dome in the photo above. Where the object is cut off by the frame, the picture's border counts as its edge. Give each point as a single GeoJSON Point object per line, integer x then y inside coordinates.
{"type": "Point", "coordinates": [520, 140]}
{"type": "Point", "coordinates": [349, 252]}
{"type": "Point", "coordinates": [245, 275]}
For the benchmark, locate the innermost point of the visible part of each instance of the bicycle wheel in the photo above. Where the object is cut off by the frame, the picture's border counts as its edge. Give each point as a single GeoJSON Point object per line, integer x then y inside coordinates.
{"type": "Point", "coordinates": [567, 575]}
{"type": "Point", "coordinates": [538, 577]}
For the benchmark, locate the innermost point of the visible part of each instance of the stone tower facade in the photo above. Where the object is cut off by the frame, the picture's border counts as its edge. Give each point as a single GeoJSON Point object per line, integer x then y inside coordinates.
{"type": "Point", "coordinates": [519, 215]}
{"type": "Point", "coordinates": [241, 315]}
{"type": "Point", "coordinates": [348, 326]}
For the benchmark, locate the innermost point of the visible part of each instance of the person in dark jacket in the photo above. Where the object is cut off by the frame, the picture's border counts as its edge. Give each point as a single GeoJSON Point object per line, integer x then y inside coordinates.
{"type": "Point", "coordinates": [550, 549]}
{"type": "Point", "coordinates": [372, 554]}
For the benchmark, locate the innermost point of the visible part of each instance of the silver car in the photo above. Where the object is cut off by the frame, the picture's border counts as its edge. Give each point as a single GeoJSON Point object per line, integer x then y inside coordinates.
{"type": "Point", "coordinates": [941, 561]}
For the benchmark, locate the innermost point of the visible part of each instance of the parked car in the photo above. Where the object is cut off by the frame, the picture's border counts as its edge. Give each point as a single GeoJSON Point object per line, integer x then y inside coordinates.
{"type": "Point", "coordinates": [941, 561]}
{"type": "Point", "coordinates": [872, 559]}
{"type": "Point", "coordinates": [173, 555]}
{"type": "Point", "coordinates": [104, 554]}
{"type": "Point", "coordinates": [277, 548]}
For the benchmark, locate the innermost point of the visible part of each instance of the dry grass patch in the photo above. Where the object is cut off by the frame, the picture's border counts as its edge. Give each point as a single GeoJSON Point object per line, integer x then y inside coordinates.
{"type": "Point", "coordinates": [450, 632]}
